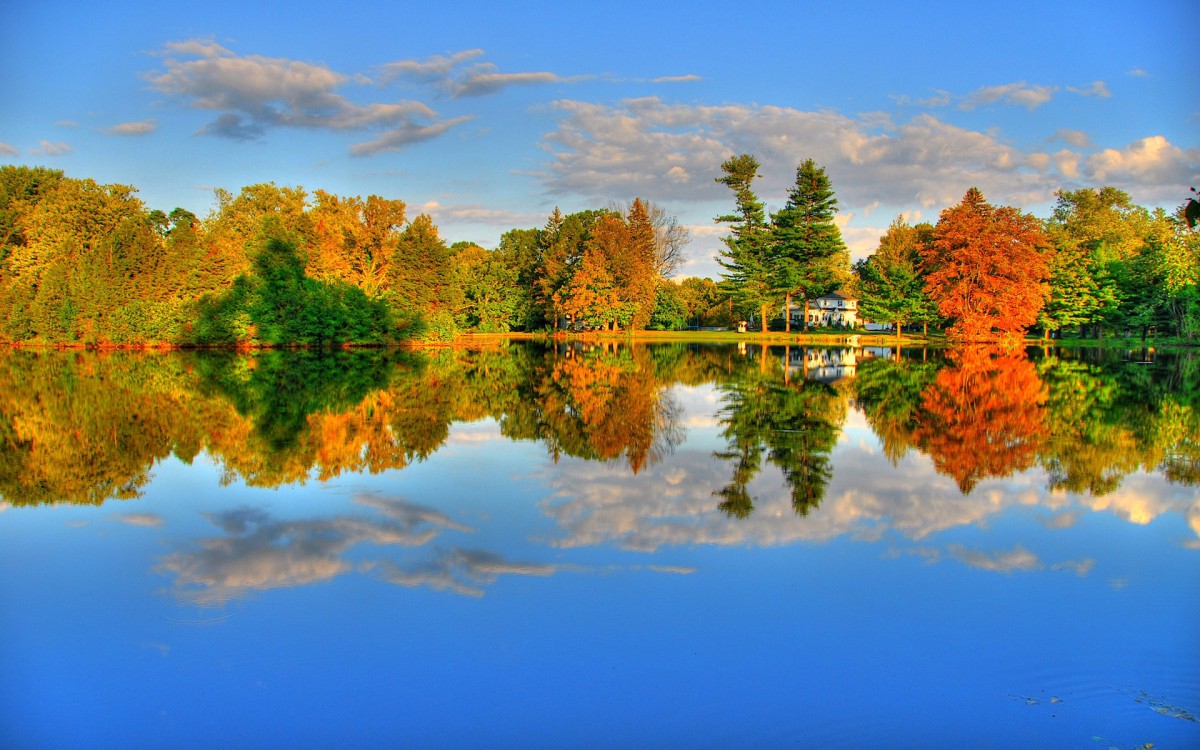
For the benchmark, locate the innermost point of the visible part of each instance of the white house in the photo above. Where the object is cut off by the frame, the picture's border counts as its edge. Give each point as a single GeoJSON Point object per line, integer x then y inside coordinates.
{"type": "Point", "coordinates": [831, 310]}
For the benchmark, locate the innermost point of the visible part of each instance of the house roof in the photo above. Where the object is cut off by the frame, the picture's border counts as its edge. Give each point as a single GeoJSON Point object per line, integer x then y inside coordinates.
{"type": "Point", "coordinates": [834, 295]}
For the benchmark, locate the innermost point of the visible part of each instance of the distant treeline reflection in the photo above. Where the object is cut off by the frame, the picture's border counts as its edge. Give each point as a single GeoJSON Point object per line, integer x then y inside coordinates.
{"type": "Point", "coordinates": [84, 427]}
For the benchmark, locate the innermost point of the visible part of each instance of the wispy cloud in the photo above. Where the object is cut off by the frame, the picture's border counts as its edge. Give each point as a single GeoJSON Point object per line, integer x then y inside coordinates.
{"type": "Point", "coordinates": [462, 571]}
{"type": "Point", "coordinates": [141, 519]}
{"type": "Point", "coordinates": [1030, 96]}
{"type": "Point", "coordinates": [1018, 559]}
{"type": "Point", "coordinates": [8, 149]}
{"type": "Point", "coordinates": [406, 135]}
{"type": "Point", "coordinates": [486, 79]}
{"type": "Point", "coordinates": [140, 127]}
{"type": "Point", "coordinates": [939, 98]}
{"type": "Point", "coordinates": [52, 148]}
{"type": "Point", "coordinates": [676, 79]}
{"type": "Point", "coordinates": [1079, 567]}
{"type": "Point", "coordinates": [1076, 138]}
{"type": "Point", "coordinates": [1095, 88]}
{"type": "Point", "coordinates": [433, 70]}
{"type": "Point", "coordinates": [451, 75]}
{"type": "Point", "coordinates": [1062, 520]}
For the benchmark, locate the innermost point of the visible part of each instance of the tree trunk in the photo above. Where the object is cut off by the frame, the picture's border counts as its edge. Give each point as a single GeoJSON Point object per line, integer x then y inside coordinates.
{"type": "Point", "coordinates": [787, 312]}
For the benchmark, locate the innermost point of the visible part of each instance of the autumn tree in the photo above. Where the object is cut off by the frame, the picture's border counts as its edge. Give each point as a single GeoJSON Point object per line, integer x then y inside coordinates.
{"type": "Point", "coordinates": [591, 297]}
{"type": "Point", "coordinates": [561, 245]}
{"type": "Point", "coordinates": [750, 275]}
{"type": "Point", "coordinates": [986, 269]}
{"type": "Point", "coordinates": [670, 238]}
{"type": "Point", "coordinates": [235, 224]}
{"type": "Point", "coordinates": [636, 268]}
{"type": "Point", "coordinates": [355, 239]}
{"type": "Point", "coordinates": [807, 245]}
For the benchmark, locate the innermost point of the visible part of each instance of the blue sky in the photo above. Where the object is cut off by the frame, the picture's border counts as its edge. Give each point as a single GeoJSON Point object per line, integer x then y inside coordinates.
{"type": "Point", "coordinates": [487, 116]}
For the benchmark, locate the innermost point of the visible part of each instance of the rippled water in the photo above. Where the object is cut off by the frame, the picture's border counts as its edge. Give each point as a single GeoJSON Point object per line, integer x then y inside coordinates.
{"type": "Point", "coordinates": [603, 546]}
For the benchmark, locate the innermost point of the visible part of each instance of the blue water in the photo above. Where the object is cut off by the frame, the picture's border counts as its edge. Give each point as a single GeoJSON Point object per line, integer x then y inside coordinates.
{"type": "Point", "coordinates": [491, 596]}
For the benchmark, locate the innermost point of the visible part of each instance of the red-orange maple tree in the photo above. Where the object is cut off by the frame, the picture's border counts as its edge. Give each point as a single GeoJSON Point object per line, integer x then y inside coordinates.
{"type": "Point", "coordinates": [987, 269]}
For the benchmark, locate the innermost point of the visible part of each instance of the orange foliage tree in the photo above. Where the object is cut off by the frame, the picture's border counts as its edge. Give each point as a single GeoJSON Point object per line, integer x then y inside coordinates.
{"type": "Point", "coordinates": [987, 269]}
{"type": "Point", "coordinates": [984, 416]}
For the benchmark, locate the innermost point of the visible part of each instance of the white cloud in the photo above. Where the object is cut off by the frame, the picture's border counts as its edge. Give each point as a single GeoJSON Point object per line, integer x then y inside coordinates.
{"type": "Point", "coordinates": [673, 152]}
{"type": "Point", "coordinates": [140, 127]}
{"type": "Point", "coordinates": [1067, 163]}
{"type": "Point", "coordinates": [676, 79]}
{"type": "Point", "coordinates": [254, 93]}
{"type": "Point", "coordinates": [259, 553]}
{"type": "Point", "coordinates": [1152, 161]}
{"type": "Point", "coordinates": [8, 149]}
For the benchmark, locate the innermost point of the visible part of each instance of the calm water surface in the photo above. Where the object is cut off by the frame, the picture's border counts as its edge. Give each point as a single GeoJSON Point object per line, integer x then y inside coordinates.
{"type": "Point", "coordinates": [600, 547]}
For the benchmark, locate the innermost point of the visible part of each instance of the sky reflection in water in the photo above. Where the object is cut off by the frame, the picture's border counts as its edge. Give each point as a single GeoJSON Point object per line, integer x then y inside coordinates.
{"type": "Point", "coordinates": [476, 589]}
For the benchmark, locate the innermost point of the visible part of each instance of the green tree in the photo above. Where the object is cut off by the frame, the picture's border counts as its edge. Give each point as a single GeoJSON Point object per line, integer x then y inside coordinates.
{"type": "Point", "coordinates": [421, 279]}
{"type": "Point", "coordinates": [489, 287]}
{"type": "Point", "coordinates": [705, 302]}
{"type": "Point", "coordinates": [807, 244]}
{"type": "Point", "coordinates": [891, 285]}
{"type": "Point", "coordinates": [1096, 236]}
{"type": "Point", "coordinates": [749, 274]}
{"type": "Point", "coordinates": [520, 250]}
{"type": "Point", "coordinates": [670, 313]}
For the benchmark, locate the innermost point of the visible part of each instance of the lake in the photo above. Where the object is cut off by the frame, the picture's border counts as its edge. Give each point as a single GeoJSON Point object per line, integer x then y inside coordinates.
{"type": "Point", "coordinates": [600, 546]}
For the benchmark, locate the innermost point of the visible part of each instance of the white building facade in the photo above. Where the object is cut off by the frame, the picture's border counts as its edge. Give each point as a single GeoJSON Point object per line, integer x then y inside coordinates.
{"type": "Point", "coordinates": [832, 310]}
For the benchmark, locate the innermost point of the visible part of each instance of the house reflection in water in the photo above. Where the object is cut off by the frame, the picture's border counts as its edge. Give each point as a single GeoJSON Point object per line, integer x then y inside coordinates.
{"type": "Point", "coordinates": [829, 365]}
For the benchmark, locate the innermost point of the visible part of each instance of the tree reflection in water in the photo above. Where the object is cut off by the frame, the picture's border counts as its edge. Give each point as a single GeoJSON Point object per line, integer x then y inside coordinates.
{"type": "Point", "coordinates": [795, 423]}
{"type": "Point", "coordinates": [84, 427]}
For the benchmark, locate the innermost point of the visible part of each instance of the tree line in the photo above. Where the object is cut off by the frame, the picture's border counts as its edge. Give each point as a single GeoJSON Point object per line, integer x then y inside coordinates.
{"type": "Point", "coordinates": [89, 264]}
{"type": "Point", "coordinates": [982, 272]}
